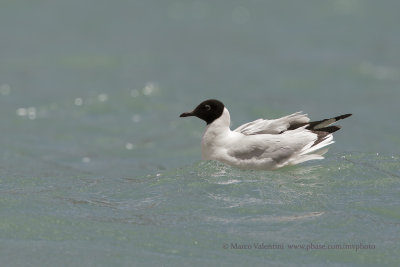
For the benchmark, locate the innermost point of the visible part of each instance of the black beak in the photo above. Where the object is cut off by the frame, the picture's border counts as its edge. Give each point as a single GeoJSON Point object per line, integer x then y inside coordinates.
{"type": "Point", "coordinates": [186, 114]}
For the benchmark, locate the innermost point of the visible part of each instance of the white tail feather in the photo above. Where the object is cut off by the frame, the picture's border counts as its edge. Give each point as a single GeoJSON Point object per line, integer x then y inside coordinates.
{"type": "Point", "coordinates": [326, 142]}
{"type": "Point", "coordinates": [304, 158]}
{"type": "Point", "coordinates": [317, 151]}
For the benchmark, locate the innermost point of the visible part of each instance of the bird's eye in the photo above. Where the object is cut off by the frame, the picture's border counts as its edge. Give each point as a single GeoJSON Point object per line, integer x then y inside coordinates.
{"type": "Point", "coordinates": [207, 107]}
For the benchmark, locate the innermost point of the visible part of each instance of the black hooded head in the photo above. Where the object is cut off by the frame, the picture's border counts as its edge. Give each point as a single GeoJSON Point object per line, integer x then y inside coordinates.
{"type": "Point", "coordinates": [208, 110]}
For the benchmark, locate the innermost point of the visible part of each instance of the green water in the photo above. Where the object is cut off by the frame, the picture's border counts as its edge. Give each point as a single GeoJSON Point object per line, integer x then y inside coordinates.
{"type": "Point", "coordinates": [96, 168]}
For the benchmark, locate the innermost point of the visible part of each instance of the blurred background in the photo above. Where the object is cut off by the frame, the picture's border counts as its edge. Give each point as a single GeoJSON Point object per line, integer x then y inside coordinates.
{"type": "Point", "coordinates": [94, 88]}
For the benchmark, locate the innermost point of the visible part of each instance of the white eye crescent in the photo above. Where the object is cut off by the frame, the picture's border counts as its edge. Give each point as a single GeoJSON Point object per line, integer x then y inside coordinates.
{"type": "Point", "coordinates": [208, 107]}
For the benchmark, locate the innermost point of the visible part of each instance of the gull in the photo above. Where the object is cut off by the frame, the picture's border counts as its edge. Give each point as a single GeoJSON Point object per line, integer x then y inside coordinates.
{"type": "Point", "coordinates": [262, 144]}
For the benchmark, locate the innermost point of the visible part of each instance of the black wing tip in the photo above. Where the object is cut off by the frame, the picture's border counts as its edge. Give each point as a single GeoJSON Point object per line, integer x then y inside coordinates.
{"type": "Point", "coordinates": [330, 129]}
{"type": "Point", "coordinates": [344, 116]}
{"type": "Point", "coordinates": [323, 133]}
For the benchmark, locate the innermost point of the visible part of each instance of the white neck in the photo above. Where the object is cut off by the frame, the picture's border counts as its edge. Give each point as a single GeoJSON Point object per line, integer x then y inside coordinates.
{"type": "Point", "coordinates": [215, 134]}
{"type": "Point", "coordinates": [222, 123]}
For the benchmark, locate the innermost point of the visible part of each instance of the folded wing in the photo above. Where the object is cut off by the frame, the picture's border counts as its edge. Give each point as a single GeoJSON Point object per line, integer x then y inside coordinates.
{"type": "Point", "coordinates": [270, 144]}
{"type": "Point", "coordinates": [270, 151]}
{"type": "Point", "coordinates": [276, 126]}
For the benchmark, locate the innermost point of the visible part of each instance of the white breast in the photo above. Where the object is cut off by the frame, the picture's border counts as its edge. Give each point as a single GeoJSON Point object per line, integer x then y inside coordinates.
{"type": "Point", "coordinates": [216, 137]}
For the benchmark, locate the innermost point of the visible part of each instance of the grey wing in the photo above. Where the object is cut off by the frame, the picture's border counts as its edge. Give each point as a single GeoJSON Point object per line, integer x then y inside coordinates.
{"type": "Point", "coordinates": [276, 126]}
{"type": "Point", "coordinates": [273, 148]}
{"type": "Point", "coordinates": [278, 155]}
